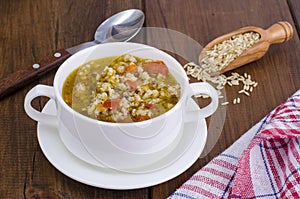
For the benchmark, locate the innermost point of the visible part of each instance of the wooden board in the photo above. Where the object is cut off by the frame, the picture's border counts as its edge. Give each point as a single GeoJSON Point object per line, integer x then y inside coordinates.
{"type": "Point", "coordinates": [277, 73]}
{"type": "Point", "coordinates": [32, 30]}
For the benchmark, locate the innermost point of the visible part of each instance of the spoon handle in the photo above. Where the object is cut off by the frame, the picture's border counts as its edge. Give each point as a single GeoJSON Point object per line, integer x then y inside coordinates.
{"type": "Point", "coordinates": [23, 77]}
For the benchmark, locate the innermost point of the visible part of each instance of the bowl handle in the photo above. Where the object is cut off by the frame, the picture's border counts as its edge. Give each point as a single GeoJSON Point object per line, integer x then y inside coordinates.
{"type": "Point", "coordinates": [202, 88]}
{"type": "Point", "coordinates": [39, 90]}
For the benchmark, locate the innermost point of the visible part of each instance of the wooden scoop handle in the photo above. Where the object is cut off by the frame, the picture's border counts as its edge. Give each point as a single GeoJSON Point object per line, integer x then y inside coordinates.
{"type": "Point", "coordinates": [278, 33]}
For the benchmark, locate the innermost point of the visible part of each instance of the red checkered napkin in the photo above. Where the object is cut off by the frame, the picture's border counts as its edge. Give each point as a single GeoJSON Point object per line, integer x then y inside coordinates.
{"type": "Point", "coordinates": [263, 163]}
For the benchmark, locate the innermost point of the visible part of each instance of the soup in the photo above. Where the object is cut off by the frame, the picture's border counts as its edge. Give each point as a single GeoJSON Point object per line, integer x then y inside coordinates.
{"type": "Point", "coordinates": [121, 89]}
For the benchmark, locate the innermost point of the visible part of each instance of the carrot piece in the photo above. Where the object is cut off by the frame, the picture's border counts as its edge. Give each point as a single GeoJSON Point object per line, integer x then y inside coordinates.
{"type": "Point", "coordinates": [156, 67]}
{"type": "Point", "coordinates": [134, 84]}
{"type": "Point", "coordinates": [149, 106]}
{"type": "Point", "coordinates": [142, 118]}
{"type": "Point", "coordinates": [100, 107]}
{"type": "Point", "coordinates": [131, 68]}
{"type": "Point", "coordinates": [112, 103]}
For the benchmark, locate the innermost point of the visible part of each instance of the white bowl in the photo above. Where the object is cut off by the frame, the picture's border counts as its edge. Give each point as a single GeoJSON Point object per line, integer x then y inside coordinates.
{"type": "Point", "coordinates": [123, 145]}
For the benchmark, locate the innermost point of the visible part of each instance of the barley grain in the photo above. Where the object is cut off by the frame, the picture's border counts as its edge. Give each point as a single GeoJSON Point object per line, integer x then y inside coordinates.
{"type": "Point", "coordinates": [224, 103]}
{"type": "Point", "coordinates": [235, 82]}
{"type": "Point", "coordinates": [220, 56]}
{"type": "Point", "coordinates": [246, 93]}
{"type": "Point", "coordinates": [234, 101]}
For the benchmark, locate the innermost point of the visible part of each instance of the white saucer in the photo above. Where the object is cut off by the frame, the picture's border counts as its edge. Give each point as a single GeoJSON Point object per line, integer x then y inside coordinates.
{"type": "Point", "coordinates": [194, 136]}
{"type": "Point", "coordinates": [73, 144]}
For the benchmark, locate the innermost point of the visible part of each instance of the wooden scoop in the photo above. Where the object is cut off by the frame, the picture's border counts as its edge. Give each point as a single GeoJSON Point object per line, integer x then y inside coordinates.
{"type": "Point", "coordinates": [278, 33]}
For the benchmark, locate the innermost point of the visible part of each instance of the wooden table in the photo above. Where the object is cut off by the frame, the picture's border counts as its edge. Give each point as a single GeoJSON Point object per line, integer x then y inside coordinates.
{"type": "Point", "coordinates": [31, 30]}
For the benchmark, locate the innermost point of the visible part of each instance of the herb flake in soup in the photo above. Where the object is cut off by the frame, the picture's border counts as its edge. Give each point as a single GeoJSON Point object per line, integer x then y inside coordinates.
{"type": "Point", "coordinates": [121, 89]}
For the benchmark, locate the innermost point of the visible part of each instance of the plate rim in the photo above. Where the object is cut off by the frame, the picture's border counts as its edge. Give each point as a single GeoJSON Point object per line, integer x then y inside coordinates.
{"type": "Point", "coordinates": [135, 178]}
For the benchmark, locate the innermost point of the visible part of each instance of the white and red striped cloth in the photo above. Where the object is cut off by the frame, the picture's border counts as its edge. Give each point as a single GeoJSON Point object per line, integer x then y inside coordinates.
{"type": "Point", "coordinates": [263, 163]}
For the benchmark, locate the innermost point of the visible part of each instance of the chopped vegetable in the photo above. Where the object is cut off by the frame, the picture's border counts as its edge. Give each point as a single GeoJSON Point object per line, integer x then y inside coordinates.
{"type": "Point", "coordinates": [112, 103]}
{"type": "Point", "coordinates": [134, 84]}
{"type": "Point", "coordinates": [156, 67]}
{"type": "Point", "coordinates": [142, 118]}
{"type": "Point", "coordinates": [151, 106]}
{"type": "Point", "coordinates": [131, 68]}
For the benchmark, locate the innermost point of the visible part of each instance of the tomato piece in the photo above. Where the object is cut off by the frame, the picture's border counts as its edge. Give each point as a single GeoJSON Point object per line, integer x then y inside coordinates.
{"type": "Point", "coordinates": [156, 67]}
{"type": "Point", "coordinates": [143, 118]}
{"type": "Point", "coordinates": [131, 68]}
{"type": "Point", "coordinates": [112, 103]}
{"type": "Point", "coordinates": [134, 84]}
{"type": "Point", "coordinates": [149, 106]}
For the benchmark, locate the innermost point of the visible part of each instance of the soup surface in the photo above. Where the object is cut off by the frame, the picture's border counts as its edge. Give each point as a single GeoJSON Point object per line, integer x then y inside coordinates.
{"type": "Point", "coordinates": [121, 89]}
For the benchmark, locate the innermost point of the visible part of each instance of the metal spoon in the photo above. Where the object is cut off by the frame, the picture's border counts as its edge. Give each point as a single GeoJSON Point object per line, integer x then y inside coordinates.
{"type": "Point", "coordinates": [122, 26]}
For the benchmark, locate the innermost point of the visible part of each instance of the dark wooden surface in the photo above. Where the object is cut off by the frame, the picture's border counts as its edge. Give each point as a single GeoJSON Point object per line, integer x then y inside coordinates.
{"type": "Point", "coordinates": [31, 30]}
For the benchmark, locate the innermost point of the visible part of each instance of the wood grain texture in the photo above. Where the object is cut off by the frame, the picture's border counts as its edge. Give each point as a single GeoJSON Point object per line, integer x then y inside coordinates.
{"type": "Point", "coordinates": [295, 12]}
{"type": "Point", "coordinates": [277, 72]}
{"type": "Point", "coordinates": [32, 30]}
{"type": "Point", "coordinates": [20, 78]}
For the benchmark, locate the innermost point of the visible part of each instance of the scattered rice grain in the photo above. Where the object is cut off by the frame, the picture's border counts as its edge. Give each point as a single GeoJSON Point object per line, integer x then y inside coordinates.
{"type": "Point", "coordinates": [202, 95]}
{"type": "Point", "coordinates": [224, 103]}
{"type": "Point", "coordinates": [235, 82]}
{"type": "Point", "coordinates": [246, 93]}
{"type": "Point", "coordinates": [246, 87]}
{"type": "Point", "coordinates": [234, 101]}
{"type": "Point", "coordinates": [220, 56]}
